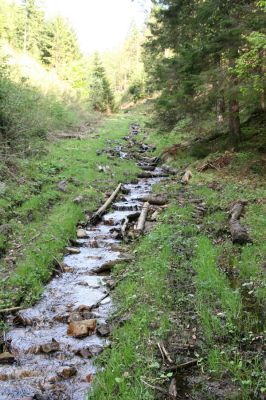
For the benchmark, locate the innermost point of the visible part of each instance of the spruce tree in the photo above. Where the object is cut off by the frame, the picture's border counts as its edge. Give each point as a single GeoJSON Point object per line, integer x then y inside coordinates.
{"type": "Point", "coordinates": [101, 95]}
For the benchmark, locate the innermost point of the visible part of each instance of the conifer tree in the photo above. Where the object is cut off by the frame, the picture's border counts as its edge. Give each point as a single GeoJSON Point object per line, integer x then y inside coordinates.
{"type": "Point", "coordinates": [101, 95]}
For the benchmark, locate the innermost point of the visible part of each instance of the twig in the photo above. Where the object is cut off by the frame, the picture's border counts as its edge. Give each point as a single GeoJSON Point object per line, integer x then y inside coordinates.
{"type": "Point", "coordinates": [108, 202]}
{"type": "Point", "coordinates": [185, 365]}
{"type": "Point", "coordinates": [165, 352]}
{"type": "Point", "coordinates": [161, 351]}
{"type": "Point", "coordinates": [155, 387]}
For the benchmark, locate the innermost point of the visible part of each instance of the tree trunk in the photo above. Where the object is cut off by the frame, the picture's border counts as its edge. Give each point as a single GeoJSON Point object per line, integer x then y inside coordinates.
{"type": "Point", "coordinates": [262, 74]}
{"type": "Point", "coordinates": [233, 108]}
{"type": "Point", "coordinates": [220, 109]}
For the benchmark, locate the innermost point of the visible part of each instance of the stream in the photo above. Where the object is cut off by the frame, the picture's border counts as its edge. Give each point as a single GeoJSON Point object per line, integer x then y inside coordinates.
{"type": "Point", "coordinates": [50, 361]}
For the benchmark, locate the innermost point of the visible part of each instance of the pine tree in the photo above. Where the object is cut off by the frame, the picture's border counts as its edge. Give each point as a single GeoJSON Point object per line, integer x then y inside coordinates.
{"type": "Point", "coordinates": [101, 95]}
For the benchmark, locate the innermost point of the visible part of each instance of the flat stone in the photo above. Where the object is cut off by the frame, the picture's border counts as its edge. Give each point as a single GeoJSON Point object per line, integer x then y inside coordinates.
{"type": "Point", "coordinates": [7, 358]}
{"type": "Point", "coordinates": [49, 347]}
{"type": "Point", "coordinates": [67, 372]}
{"type": "Point", "coordinates": [103, 330]}
{"type": "Point", "coordinates": [80, 329]}
{"type": "Point", "coordinates": [73, 250]}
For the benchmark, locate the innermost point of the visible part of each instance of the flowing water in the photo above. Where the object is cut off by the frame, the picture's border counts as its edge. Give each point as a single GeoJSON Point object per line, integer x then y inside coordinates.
{"type": "Point", "coordinates": [49, 363]}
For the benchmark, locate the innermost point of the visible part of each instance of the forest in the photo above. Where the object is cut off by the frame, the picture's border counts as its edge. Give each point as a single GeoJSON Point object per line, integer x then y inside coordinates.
{"type": "Point", "coordinates": [133, 204]}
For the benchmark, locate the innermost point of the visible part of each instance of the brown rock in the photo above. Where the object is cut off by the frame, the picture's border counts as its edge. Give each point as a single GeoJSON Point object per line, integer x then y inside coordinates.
{"type": "Point", "coordinates": [73, 250]}
{"type": "Point", "coordinates": [49, 347]}
{"type": "Point", "coordinates": [6, 358]}
{"type": "Point", "coordinates": [81, 328]}
{"type": "Point", "coordinates": [67, 372]}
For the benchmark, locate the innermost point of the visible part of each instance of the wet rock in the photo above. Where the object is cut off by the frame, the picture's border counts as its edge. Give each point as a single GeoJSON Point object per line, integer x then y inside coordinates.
{"type": "Point", "coordinates": [90, 351]}
{"type": "Point", "coordinates": [49, 347]}
{"type": "Point", "coordinates": [74, 317]}
{"type": "Point", "coordinates": [4, 377]}
{"type": "Point", "coordinates": [80, 329]}
{"type": "Point", "coordinates": [66, 268]}
{"type": "Point", "coordinates": [81, 234]}
{"type": "Point", "coordinates": [103, 330]}
{"type": "Point", "coordinates": [73, 250]}
{"type": "Point", "coordinates": [67, 372]}
{"type": "Point", "coordinates": [83, 308]}
{"type": "Point", "coordinates": [7, 358]}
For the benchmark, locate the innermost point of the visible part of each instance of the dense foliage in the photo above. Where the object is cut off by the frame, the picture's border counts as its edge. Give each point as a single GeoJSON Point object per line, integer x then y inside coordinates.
{"type": "Point", "coordinates": [207, 57]}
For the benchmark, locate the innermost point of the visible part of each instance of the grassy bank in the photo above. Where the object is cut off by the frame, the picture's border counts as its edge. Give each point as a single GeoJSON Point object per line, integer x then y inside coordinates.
{"type": "Point", "coordinates": [38, 218]}
{"type": "Point", "coordinates": [193, 290]}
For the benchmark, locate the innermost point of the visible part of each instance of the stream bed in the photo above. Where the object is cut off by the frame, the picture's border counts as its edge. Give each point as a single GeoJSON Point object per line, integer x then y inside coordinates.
{"type": "Point", "coordinates": [50, 361]}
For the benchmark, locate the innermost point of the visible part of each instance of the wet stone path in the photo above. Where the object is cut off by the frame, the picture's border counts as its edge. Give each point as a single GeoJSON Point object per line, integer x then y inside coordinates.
{"type": "Point", "coordinates": [55, 342]}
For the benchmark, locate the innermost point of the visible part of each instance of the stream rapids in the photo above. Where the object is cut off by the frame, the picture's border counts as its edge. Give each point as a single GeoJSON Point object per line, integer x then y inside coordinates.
{"type": "Point", "coordinates": [49, 364]}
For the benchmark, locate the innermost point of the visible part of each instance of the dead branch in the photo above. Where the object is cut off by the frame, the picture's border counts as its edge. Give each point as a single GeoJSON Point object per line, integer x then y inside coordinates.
{"type": "Point", "coordinates": [157, 201]}
{"type": "Point", "coordinates": [98, 214]}
{"type": "Point", "coordinates": [185, 365]}
{"type": "Point", "coordinates": [165, 352]}
{"type": "Point", "coordinates": [238, 232]}
{"type": "Point", "coordinates": [158, 388]}
{"type": "Point", "coordinates": [142, 217]}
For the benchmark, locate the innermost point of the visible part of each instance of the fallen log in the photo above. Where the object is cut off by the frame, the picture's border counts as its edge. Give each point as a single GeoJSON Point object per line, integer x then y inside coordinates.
{"type": "Point", "coordinates": [156, 201]}
{"type": "Point", "coordinates": [238, 232]}
{"type": "Point", "coordinates": [148, 174]}
{"type": "Point", "coordinates": [142, 218]}
{"type": "Point", "coordinates": [98, 214]}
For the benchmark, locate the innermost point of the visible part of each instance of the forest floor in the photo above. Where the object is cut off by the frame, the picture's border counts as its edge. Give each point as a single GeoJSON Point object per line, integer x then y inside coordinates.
{"type": "Point", "coordinates": [189, 321]}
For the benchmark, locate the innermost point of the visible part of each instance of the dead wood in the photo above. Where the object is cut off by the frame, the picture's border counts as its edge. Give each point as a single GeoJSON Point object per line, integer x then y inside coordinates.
{"type": "Point", "coordinates": [142, 218]}
{"type": "Point", "coordinates": [154, 387]}
{"type": "Point", "coordinates": [238, 232]}
{"type": "Point", "coordinates": [217, 163]}
{"type": "Point", "coordinates": [156, 201]}
{"type": "Point", "coordinates": [173, 389]}
{"type": "Point", "coordinates": [12, 309]}
{"type": "Point", "coordinates": [164, 353]}
{"type": "Point", "coordinates": [148, 174]}
{"type": "Point", "coordinates": [98, 214]}
{"type": "Point", "coordinates": [185, 365]}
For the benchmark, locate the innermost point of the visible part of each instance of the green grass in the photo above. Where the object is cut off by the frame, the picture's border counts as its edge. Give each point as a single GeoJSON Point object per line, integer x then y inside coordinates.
{"type": "Point", "coordinates": [43, 218]}
{"type": "Point", "coordinates": [189, 266]}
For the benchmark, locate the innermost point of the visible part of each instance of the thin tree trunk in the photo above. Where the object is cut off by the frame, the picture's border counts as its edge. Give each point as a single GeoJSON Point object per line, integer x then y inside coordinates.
{"type": "Point", "coordinates": [262, 72]}
{"type": "Point", "coordinates": [220, 109]}
{"type": "Point", "coordinates": [233, 108]}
